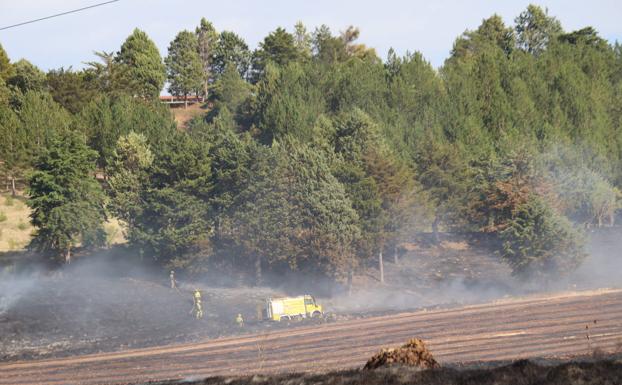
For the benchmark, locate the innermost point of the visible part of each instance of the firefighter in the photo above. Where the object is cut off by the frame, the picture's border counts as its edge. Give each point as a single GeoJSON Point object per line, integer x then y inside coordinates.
{"type": "Point", "coordinates": [239, 320]}
{"type": "Point", "coordinates": [173, 281]}
{"type": "Point", "coordinates": [198, 306]}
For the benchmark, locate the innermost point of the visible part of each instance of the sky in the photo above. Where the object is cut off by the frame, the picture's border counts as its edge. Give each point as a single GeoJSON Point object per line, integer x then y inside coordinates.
{"type": "Point", "coordinates": [429, 27]}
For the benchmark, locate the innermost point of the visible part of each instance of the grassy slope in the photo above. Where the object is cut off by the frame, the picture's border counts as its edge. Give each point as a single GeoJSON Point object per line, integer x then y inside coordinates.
{"type": "Point", "coordinates": [184, 115]}
{"type": "Point", "coordinates": [16, 231]}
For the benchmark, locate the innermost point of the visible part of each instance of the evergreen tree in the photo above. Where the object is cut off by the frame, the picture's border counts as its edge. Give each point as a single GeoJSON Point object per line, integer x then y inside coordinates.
{"type": "Point", "coordinates": [278, 48]}
{"type": "Point", "coordinates": [71, 89]}
{"type": "Point", "coordinates": [42, 118]}
{"type": "Point", "coordinates": [183, 64]}
{"type": "Point", "coordinates": [67, 202]}
{"type": "Point", "coordinates": [539, 242]}
{"type": "Point", "coordinates": [535, 29]}
{"type": "Point", "coordinates": [207, 38]}
{"type": "Point", "coordinates": [13, 147]}
{"type": "Point", "coordinates": [145, 71]}
{"type": "Point", "coordinates": [6, 69]}
{"type": "Point", "coordinates": [230, 48]}
{"type": "Point", "coordinates": [27, 77]}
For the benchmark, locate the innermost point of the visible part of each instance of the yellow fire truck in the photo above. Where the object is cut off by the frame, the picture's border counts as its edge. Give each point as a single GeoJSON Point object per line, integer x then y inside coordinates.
{"type": "Point", "coordinates": [292, 308]}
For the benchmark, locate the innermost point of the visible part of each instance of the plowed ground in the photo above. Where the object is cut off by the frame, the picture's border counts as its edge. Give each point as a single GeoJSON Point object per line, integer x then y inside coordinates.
{"type": "Point", "coordinates": [544, 326]}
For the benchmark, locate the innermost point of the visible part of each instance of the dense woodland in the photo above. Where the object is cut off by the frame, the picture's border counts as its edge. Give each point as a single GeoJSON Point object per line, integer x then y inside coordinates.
{"type": "Point", "coordinates": [316, 155]}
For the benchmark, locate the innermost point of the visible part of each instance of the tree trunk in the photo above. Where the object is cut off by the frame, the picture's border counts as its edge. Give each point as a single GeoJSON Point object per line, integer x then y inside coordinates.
{"type": "Point", "coordinates": [437, 238]}
{"type": "Point", "coordinates": [68, 256]}
{"type": "Point", "coordinates": [395, 256]}
{"type": "Point", "coordinates": [185, 101]}
{"type": "Point", "coordinates": [381, 266]}
{"type": "Point", "coordinates": [13, 191]}
{"type": "Point", "coordinates": [258, 275]}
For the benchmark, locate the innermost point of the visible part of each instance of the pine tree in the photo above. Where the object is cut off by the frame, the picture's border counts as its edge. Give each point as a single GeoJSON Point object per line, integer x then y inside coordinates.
{"type": "Point", "coordinates": [183, 64]}
{"type": "Point", "coordinates": [207, 37]}
{"type": "Point", "coordinates": [230, 48]}
{"type": "Point", "coordinates": [67, 202]}
{"type": "Point", "coordinates": [143, 63]}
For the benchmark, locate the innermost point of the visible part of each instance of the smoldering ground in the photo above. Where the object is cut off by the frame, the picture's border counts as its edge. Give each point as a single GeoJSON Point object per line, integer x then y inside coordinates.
{"type": "Point", "coordinates": [115, 301]}
{"type": "Point", "coordinates": [100, 304]}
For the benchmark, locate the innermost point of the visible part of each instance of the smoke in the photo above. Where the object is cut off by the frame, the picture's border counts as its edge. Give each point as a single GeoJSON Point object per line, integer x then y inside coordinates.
{"type": "Point", "coordinates": [12, 289]}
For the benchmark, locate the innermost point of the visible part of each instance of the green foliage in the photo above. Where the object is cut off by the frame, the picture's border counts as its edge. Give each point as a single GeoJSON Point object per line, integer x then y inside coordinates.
{"type": "Point", "coordinates": [6, 69]}
{"type": "Point", "coordinates": [294, 213]}
{"type": "Point", "coordinates": [8, 200]}
{"type": "Point", "coordinates": [72, 89]}
{"type": "Point", "coordinates": [288, 103]}
{"type": "Point", "coordinates": [230, 91]}
{"type": "Point", "coordinates": [535, 29]}
{"type": "Point", "coordinates": [279, 48]}
{"type": "Point", "coordinates": [15, 144]}
{"type": "Point", "coordinates": [110, 75]}
{"type": "Point", "coordinates": [105, 119]}
{"type": "Point", "coordinates": [41, 120]}
{"type": "Point", "coordinates": [183, 65]}
{"type": "Point", "coordinates": [230, 48]}
{"type": "Point", "coordinates": [145, 71]}
{"type": "Point", "coordinates": [27, 77]}
{"type": "Point", "coordinates": [163, 201]}
{"type": "Point", "coordinates": [320, 156]}
{"type": "Point", "coordinates": [207, 38]}
{"type": "Point", "coordinates": [67, 202]}
{"type": "Point", "coordinates": [2, 216]}
{"type": "Point", "coordinates": [22, 226]}
{"type": "Point", "coordinates": [128, 174]}
{"type": "Point", "coordinates": [538, 241]}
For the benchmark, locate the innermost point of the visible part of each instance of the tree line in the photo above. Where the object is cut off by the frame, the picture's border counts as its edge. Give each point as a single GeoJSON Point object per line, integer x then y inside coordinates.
{"type": "Point", "coordinates": [316, 155]}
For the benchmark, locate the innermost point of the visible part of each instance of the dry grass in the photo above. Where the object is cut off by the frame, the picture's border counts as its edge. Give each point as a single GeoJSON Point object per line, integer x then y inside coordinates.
{"type": "Point", "coordinates": [184, 115]}
{"type": "Point", "coordinates": [16, 229]}
{"type": "Point", "coordinates": [461, 246]}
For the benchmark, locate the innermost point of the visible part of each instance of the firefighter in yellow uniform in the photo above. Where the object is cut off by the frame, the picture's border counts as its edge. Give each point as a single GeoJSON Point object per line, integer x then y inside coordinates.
{"type": "Point", "coordinates": [198, 305]}
{"type": "Point", "coordinates": [239, 320]}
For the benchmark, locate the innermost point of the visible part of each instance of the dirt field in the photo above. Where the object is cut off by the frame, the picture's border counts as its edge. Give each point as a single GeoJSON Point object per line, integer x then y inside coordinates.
{"type": "Point", "coordinates": [539, 326]}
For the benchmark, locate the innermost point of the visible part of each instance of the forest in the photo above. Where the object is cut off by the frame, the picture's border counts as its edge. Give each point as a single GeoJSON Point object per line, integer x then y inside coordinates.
{"type": "Point", "coordinates": [314, 155]}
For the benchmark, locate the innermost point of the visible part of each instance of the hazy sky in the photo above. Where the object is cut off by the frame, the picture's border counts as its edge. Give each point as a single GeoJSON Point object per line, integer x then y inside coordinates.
{"type": "Point", "coordinates": [426, 26]}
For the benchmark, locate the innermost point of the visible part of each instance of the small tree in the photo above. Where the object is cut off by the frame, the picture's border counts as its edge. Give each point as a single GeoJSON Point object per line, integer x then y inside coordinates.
{"type": "Point", "coordinates": [539, 241]}
{"type": "Point", "coordinates": [183, 65]}
{"type": "Point", "coordinates": [67, 202]}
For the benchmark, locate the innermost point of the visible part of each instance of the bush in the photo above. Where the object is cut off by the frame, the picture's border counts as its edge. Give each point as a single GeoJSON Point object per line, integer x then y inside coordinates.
{"type": "Point", "coordinates": [22, 226]}
{"type": "Point", "coordinates": [8, 201]}
{"type": "Point", "coordinates": [540, 242]}
{"type": "Point", "coordinates": [2, 216]}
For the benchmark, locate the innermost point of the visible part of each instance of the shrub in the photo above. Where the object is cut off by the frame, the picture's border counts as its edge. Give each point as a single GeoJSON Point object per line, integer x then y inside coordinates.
{"type": "Point", "coordinates": [2, 216]}
{"type": "Point", "coordinates": [540, 241]}
{"type": "Point", "coordinates": [8, 201]}
{"type": "Point", "coordinates": [22, 226]}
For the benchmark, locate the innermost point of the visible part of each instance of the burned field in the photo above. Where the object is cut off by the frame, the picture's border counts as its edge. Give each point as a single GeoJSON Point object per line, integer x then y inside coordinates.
{"type": "Point", "coordinates": [123, 326]}
{"type": "Point", "coordinates": [544, 326]}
